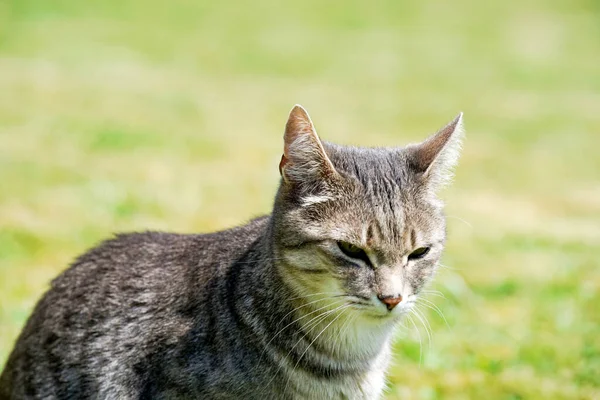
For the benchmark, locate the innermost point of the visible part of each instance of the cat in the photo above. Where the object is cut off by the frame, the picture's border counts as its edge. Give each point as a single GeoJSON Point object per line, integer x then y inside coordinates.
{"type": "Point", "coordinates": [299, 304]}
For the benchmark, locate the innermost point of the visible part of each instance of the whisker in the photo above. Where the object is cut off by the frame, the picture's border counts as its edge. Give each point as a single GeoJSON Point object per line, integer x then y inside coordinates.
{"type": "Point", "coordinates": [317, 320]}
{"type": "Point", "coordinates": [313, 341]}
{"type": "Point", "coordinates": [305, 305]}
{"type": "Point", "coordinates": [342, 332]}
{"type": "Point", "coordinates": [409, 317]}
{"type": "Point", "coordinates": [301, 317]}
{"type": "Point", "coordinates": [431, 305]}
{"type": "Point", "coordinates": [434, 293]}
{"type": "Point", "coordinates": [311, 323]}
{"type": "Point", "coordinates": [447, 267]}
{"type": "Point", "coordinates": [461, 220]}
{"type": "Point", "coordinates": [425, 324]}
{"type": "Point", "coordinates": [337, 339]}
{"type": "Point", "coordinates": [294, 321]}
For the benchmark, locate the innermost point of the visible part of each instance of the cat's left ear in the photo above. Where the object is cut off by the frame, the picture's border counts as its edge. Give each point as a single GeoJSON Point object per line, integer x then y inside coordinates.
{"type": "Point", "coordinates": [304, 160]}
{"type": "Point", "coordinates": [435, 158]}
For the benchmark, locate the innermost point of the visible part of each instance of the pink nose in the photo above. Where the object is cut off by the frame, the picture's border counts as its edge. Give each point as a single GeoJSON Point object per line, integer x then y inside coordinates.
{"type": "Point", "coordinates": [390, 301]}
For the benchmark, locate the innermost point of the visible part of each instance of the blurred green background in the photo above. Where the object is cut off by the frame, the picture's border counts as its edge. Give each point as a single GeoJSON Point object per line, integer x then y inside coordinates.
{"type": "Point", "coordinates": [120, 115]}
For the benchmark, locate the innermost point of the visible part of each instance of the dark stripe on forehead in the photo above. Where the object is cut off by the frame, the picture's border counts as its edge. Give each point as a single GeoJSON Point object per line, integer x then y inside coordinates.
{"type": "Point", "coordinates": [370, 235]}
{"type": "Point", "coordinates": [413, 238]}
{"type": "Point", "coordinates": [388, 218]}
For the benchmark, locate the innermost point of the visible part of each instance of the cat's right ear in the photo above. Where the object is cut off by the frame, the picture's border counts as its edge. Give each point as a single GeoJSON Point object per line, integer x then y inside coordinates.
{"type": "Point", "coordinates": [434, 159]}
{"type": "Point", "coordinates": [304, 159]}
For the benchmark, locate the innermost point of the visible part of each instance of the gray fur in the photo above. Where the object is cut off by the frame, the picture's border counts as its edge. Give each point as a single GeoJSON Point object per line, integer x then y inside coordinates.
{"type": "Point", "coordinates": [269, 310]}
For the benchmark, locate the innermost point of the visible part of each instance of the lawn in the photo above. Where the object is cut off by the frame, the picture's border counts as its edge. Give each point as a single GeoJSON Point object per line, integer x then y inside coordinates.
{"type": "Point", "coordinates": [121, 115]}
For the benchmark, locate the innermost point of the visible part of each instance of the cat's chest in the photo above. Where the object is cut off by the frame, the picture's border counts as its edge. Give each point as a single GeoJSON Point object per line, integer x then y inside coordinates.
{"type": "Point", "coordinates": [366, 387]}
{"type": "Point", "coordinates": [356, 379]}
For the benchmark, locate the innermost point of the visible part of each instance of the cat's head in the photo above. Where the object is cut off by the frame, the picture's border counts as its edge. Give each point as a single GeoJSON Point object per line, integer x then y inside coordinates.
{"type": "Point", "coordinates": [361, 226]}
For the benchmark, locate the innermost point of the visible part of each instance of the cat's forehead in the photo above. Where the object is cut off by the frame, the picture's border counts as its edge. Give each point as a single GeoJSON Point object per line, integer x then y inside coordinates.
{"type": "Point", "coordinates": [372, 167]}
{"type": "Point", "coordinates": [377, 177]}
{"type": "Point", "coordinates": [384, 209]}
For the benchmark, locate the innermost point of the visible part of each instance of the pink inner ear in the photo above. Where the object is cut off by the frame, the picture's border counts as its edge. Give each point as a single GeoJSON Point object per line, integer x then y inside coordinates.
{"type": "Point", "coordinates": [306, 159]}
{"type": "Point", "coordinates": [295, 128]}
{"type": "Point", "coordinates": [282, 164]}
{"type": "Point", "coordinates": [430, 149]}
{"type": "Point", "coordinates": [426, 152]}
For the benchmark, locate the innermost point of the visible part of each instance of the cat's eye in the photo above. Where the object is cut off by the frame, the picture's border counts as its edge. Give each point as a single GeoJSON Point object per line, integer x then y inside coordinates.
{"type": "Point", "coordinates": [418, 253]}
{"type": "Point", "coordinates": [354, 251]}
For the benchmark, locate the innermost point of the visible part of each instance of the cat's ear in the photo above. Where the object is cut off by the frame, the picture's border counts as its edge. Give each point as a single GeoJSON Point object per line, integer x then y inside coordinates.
{"type": "Point", "coordinates": [304, 158]}
{"type": "Point", "coordinates": [434, 159]}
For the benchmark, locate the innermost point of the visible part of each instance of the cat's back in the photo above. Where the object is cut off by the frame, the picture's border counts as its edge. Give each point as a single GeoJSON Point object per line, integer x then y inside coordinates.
{"type": "Point", "coordinates": [116, 305]}
{"type": "Point", "coordinates": [139, 261]}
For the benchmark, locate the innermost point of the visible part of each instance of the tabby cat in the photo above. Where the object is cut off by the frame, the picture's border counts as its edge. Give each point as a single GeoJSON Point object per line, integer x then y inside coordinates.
{"type": "Point", "coordinates": [299, 304]}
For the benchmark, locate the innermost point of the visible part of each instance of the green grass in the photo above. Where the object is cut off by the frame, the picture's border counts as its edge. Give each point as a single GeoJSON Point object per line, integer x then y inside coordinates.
{"type": "Point", "coordinates": [134, 114]}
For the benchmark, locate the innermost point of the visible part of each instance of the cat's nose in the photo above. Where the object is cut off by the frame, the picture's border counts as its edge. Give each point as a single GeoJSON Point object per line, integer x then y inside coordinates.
{"type": "Point", "coordinates": [390, 301]}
